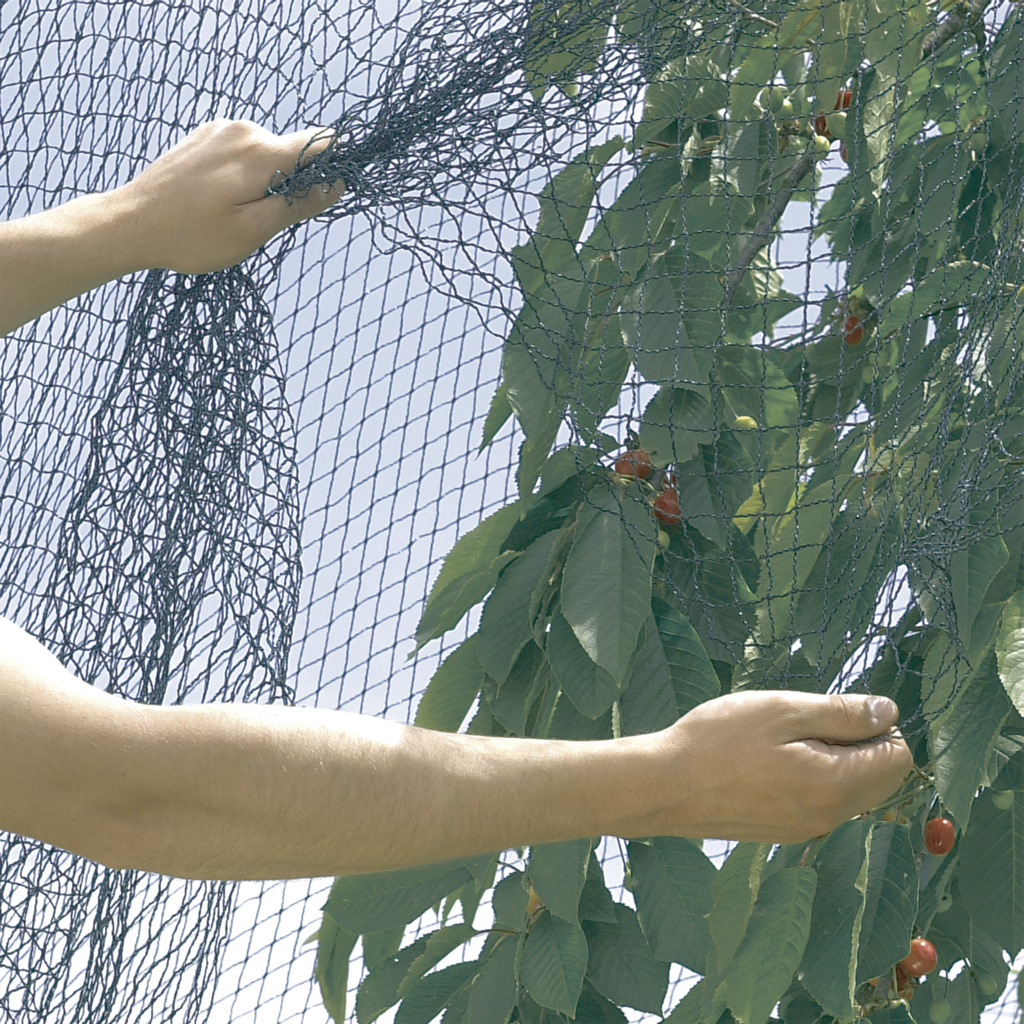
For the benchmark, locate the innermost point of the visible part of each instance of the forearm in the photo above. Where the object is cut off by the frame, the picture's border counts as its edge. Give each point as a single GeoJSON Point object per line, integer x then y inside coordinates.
{"type": "Point", "coordinates": [52, 256]}
{"type": "Point", "coordinates": [245, 791]}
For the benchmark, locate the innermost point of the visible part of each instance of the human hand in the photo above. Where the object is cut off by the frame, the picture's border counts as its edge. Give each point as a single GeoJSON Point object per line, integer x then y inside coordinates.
{"type": "Point", "coordinates": [776, 766]}
{"type": "Point", "coordinates": [202, 205]}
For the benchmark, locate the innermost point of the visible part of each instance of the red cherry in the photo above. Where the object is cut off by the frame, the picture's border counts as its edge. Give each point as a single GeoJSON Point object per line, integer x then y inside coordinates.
{"type": "Point", "coordinates": [821, 125]}
{"type": "Point", "coordinates": [939, 836]}
{"type": "Point", "coordinates": [921, 959]}
{"type": "Point", "coordinates": [843, 99]}
{"type": "Point", "coordinates": [666, 508]}
{"type": "Point", "coordinates": [635, 463]}
{"type": "Point", "coordinates": [852, 331]}
{"type": "Point", "coordinates": [842, 153]}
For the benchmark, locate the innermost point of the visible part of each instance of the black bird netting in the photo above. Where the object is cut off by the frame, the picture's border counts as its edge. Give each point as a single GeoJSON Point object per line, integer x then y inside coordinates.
{"type": "Point", "coordinates": [776, 245]}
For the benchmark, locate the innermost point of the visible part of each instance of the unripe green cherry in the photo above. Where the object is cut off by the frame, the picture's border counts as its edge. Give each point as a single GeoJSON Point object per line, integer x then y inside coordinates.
{"type": "Point", "coordinates": [786, 109]}
{"type": "Point", "coordinates": [987, 985]}
{"type": "Point", "coordinates": [745, 423]}
{"type": "Point", "coordinates": [821, 146]}
{"type": "Point", "coordinates": [940, 1011]}
{"type": "Point", "coordinates": [664, 539]}
{"type": "Point", "coordinates": [1003, 801]}
{"type": "Point", "coordinates": [837, 123]}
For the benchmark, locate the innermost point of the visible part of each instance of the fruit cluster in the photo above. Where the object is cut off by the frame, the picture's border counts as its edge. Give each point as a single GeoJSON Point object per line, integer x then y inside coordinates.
{"type": "Point", "coordinates": [635, 464]}
{"type": "Point", "coordinates": [824, 123]}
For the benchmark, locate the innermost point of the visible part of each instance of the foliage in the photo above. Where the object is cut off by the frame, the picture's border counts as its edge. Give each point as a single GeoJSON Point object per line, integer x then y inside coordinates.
{"type": "Point", "coordinates": [809, 475]}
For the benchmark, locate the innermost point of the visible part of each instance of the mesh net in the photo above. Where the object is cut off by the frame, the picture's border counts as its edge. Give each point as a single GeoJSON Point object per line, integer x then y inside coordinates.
{"type": "Point", "coordinates": [240, 486]}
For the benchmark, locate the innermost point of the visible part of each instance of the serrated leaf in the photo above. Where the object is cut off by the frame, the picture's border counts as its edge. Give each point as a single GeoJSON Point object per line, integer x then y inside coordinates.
{"type": "Point", "coordinates": [333, 954]}
{"type": "Point", "coordinates": [735, 889]}
{"type": "Point", "coordinates": [606, 583]}
{"type": "Point", "coordinates": [452, 689]}
{"type": "Point", "coordinates": [387, 899]}
{"type": "Point", "coordinates": [557, 872]}
{"type": "Point", "coordinates": [675, 421]}
{"type": "Point", "coordinates": [591, 688]}
{"type": "Point", "coordinates": [890, 900]}
{"type": "Point", "coordinates": [505, 626]}
{"type": "Point", "coordinates": [470, 570]}
{"type": "Point", "coordinates": [497, 416]}
{"type": "Point", "coordinates": [828, 968]}
{"type": "Point", "coordinates": [432, 993]}
{"type": "Point", "coordinates": [694, 678]}
{"type": "Point", "coordinates": [993, 888]}
{"type": "Point", "coordinates": [438, 945]}
{"type": "Point", "coordinates": [773, 945]}
{"type": "Point", "coordinates": [962, 744]}
{"type": "Point", "coordinates": [649, 702]}
{"type": "Point", "coordinates": [553, 962]}
{"type": "Point", "coordinates": [1010, 650]}
{"type": "Point", "coordinates": [972, 571]}
{"type": "Point", "coordinates": [622, 966]}
{"type": "Point", "coordinates": [673, 887]}
{"type": "Point", "coordinates": [494, 991]}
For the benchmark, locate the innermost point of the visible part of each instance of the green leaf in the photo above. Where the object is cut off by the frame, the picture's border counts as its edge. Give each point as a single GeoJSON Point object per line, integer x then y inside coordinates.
{"type": "Point", "coordinates": [972, 570]}
{"type": "Point", "coordinates": [497, 415]}
{"type": "Point", "coordinates": [595, 1009]}
{"type": "Point", "coordinates": [993, 888]}
{"type": "Point", "coordinates": [829, 965]}
{"type": "Point", "coordinates": [393, 979]}
{"type": "Point", "coordinates": [333, 952]}
{"type": "Point", "coordinates": [606, 584]}
{"type": "Point", "coordinates": [890, 900]}
{"type": "Point", "coordinates": [689, 1009]}
{"type": "Point", "coordinates": [505, 626]}
{"type": "Point", "coordinates": [773, 945]}
{"type": "Point", "coordinates": [596, 903]}
{"type": "Point", "coordinates": [591, 688]}
{"type": "Point", "coordinates": [553, 962]}
{"type": "Point", "coordinates": [675, 421]}
{"type": "Point", "coordinates": [470, 570]}
{"type": "Point", "coordinates": [693, 676]}
{"type": "Point", "coordinates": [670, 320]}
{"type": "Point", "coordinates": [1010, 650]}
{"type": "Point", "coordinates": [735, 888]}
{"type": "Point", "coordinates": [511, 704]}
{"type": "Point", "coordinates": [622, 966]}
{"type": "Point", "coordinates": [494, 991]}
{"type": "Point", "coordinates": [691, 85]}
{"type": "Point", "coordinates": [509, 901]}
{"type": "Point", "coordinates": [673, 887]}
{"type": "Point", "coordinates": [949, 285]}
{"type": "Point", "coordinates": [450, 693]}
{"type": "Point", "coordinates": [379, 989]}
{"type": "Point", "coordinates": [557, 871]}
{"type": "Point", "coordinates": [432, 993]}
{"type": "Point", "coordinates": [388, 899]}
{"type": "Point", "coordinates": [962, 744]}
{"type": "Point", "coordinates": [649, 703]}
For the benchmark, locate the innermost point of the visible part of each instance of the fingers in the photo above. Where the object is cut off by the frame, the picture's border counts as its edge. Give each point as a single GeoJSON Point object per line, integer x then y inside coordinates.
{"type": "Point", "coordinates": [840, 718]}
{"type": "Point", "coordinates": [290, 149]}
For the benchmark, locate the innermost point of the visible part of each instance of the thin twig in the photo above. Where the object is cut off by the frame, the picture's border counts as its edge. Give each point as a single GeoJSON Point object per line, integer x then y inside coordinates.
{"type": "Point", "coordinates": [766, 226]}
{"type": "Point", "coordinates": [753, 16]}
{"type": "Point", "coordinates": [951, 26]}
{"type": "Point", "coordinates": [763, 232]}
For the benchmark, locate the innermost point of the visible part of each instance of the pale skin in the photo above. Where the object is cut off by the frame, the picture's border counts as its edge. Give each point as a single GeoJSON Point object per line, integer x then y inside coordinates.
{"type": "Point", "coordinates": [234, 791]}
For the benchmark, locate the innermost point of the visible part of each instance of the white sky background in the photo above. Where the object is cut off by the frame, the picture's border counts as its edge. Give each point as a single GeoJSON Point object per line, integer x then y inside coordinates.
{"type": "Point", "coordinates": [389, 381]}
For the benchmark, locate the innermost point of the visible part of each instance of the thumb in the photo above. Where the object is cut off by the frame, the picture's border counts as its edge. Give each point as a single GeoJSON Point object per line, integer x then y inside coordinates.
{"type": "Point", "coordinates": [848, 718]}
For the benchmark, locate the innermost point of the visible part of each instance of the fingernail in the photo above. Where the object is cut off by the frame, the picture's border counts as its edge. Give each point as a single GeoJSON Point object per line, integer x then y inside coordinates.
{"type": "Point", "coordinates": [883, 710]}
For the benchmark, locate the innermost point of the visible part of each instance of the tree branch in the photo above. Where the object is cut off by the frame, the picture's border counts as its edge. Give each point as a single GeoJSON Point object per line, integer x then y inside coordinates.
{"type": "Point", "coordinates": [766, 226]}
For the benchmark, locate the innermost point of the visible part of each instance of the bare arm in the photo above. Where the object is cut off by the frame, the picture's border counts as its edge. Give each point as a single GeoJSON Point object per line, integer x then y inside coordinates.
{"type": "Point", "coordinates": [200, 207]}
{"type": "Point", "coordinates": [247, 791]}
